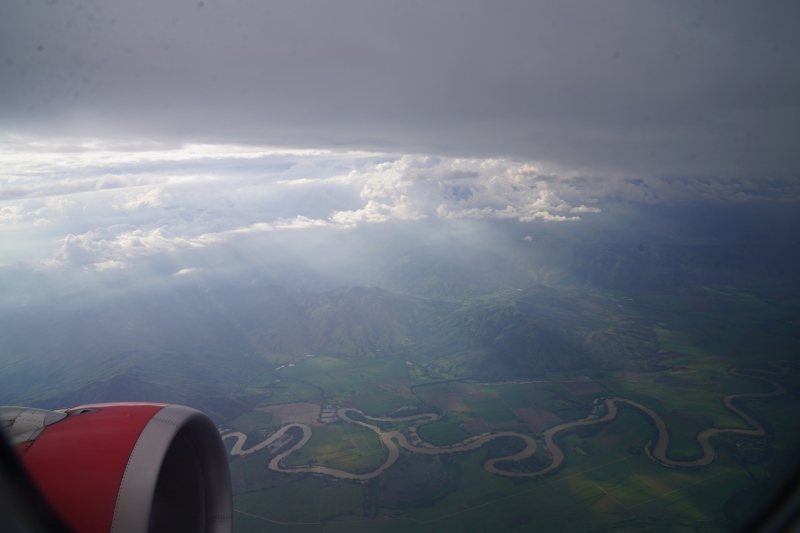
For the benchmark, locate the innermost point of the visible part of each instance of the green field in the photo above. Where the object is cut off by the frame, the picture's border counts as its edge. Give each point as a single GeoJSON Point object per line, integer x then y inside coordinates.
{"type": "Point", "coordinates": [492, 410]}
{"type": "Point", "coordinates": [607, 481]}
{"type": "Point", "coordinates": [255, 420]}
{"type": "Point", "coordinates": [291, 391]}
{"type": "Point", "coordinates": [342, 446]}
{"type": "Point", "coordinates": [294, 503]}
{"type": "Point", "coordinates": [444, 432]}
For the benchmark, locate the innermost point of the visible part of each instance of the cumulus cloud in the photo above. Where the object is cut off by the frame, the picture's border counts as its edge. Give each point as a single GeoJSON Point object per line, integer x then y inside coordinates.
{"type": "Point", "coordinates": [146, 221]}
{"type": "Point", "coordinates": [150, 198]}
{"type": "Point", "coordinates": [11, 214]}
{"type": "Point", "coordinates": [414, 187]}
{"type": "Point", "coordinates": [168, 207]}
{"type": "Point", "coordinates": [114, 246]}
{"type": "Point", "coordinates": [164, 133]}
{"type": "Point", "coordinates": [42, 213]}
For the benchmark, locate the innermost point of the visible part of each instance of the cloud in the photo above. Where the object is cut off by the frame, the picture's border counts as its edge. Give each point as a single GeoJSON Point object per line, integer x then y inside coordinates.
{"type": "Point", "coordinates": [165, 207]}
{"type": "Point", "coordinates": [42, 213]}
{"type": "Point", "coordinates": [299, 222]}
{"type": "Point", "coordinates": [150, 198]}
{"type": "Point", "coordinates": [11, 214]}
{"type": "Point", "coordinates": [414, 187]}
{"type": "Point", "coordinates": [108, 265]}
{"type": "Point", "coordinates": [664, 89]}
{"type": "Point", "coordinates": [149, 221]}
{"type": "Point", "coordinates": [34, 168]}
{"type": "Point", "coordinates": [166, 118]}
{"type": "Point", "coordinates": [113, 247]}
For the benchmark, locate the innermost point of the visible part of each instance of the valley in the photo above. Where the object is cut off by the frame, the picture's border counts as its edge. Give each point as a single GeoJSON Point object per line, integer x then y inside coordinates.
{"type": "Point", "coordinates": [673, 443]}
{"type": "Point", "coordinates": [391, 439]}
{"type": "Point", "coordinates": [582, 407]}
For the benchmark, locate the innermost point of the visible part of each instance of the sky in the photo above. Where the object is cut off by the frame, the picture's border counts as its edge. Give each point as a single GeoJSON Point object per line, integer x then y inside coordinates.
{"type": "Point", "coordinates": [135, 130]}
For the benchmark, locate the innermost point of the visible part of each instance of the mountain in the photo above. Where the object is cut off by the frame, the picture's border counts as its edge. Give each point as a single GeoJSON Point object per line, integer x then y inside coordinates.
{"type": "Point", "coordinates": [556, 305]}
{"type": "Point", "coordinates": [205, 342]}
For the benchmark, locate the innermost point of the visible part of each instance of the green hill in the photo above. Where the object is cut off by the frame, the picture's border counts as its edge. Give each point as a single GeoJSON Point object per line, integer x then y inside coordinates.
{"type": "Point", "coordinates": [487, 316]}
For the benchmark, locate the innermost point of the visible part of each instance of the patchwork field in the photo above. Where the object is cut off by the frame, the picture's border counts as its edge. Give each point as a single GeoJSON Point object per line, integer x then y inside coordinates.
{"type": "Point", "coordinates": [476, 426]}
{"type": "Point", "coordinates": [537, 419]}
{"type": "Point", "coordinates": [445, 396]}
{"type": "Point", "coordinates": [301, 413]}
{"type": "Point", "coordinates": [607, 481]}
{"type": "Point", "coordinates": [582, 386]}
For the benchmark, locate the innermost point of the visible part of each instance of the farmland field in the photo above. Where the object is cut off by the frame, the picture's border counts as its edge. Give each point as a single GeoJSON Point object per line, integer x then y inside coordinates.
{"type": "Point", "coordinates": [608, 478]}
{"type": "Point", "coordinates": [339, 446]}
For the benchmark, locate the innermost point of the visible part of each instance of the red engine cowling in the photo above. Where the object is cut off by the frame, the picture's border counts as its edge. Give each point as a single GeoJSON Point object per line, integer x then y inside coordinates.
{"type": "Point", "coordinates": [126, 467]}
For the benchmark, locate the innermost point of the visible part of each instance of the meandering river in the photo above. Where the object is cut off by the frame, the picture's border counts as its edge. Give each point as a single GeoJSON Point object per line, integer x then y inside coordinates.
{"type": "Point", "coordinates": [394, 440]}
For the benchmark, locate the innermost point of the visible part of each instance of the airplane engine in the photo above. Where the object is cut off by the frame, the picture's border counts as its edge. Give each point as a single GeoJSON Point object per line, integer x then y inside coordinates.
{"type": "Point", "coordinates": [126, 467]}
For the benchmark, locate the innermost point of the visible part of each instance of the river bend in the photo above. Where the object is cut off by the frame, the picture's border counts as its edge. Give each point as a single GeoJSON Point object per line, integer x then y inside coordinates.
{"type": "Point", "coordinates": [394, 440]}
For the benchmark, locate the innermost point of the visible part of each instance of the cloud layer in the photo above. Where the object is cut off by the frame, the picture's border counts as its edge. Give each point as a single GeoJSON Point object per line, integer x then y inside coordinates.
{"type": "Point", "coordinates": [99, 207]}
{"type": "Point", "coordinates": [152, 129]}
{"type": "Point", "coordinates": [674, 88]}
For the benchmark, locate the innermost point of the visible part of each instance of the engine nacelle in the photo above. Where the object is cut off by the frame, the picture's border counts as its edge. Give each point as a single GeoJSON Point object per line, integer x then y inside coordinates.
{"type": "Point", "coordinates": [126, 467]}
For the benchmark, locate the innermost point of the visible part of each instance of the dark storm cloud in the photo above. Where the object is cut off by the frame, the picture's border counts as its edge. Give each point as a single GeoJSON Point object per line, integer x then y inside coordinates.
{"type": "Point", "coordinates": [671, 89]}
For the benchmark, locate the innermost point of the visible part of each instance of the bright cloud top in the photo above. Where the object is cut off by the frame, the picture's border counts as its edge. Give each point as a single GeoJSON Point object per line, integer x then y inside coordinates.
{"type": "Point", "coordinates": [99, 207]}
